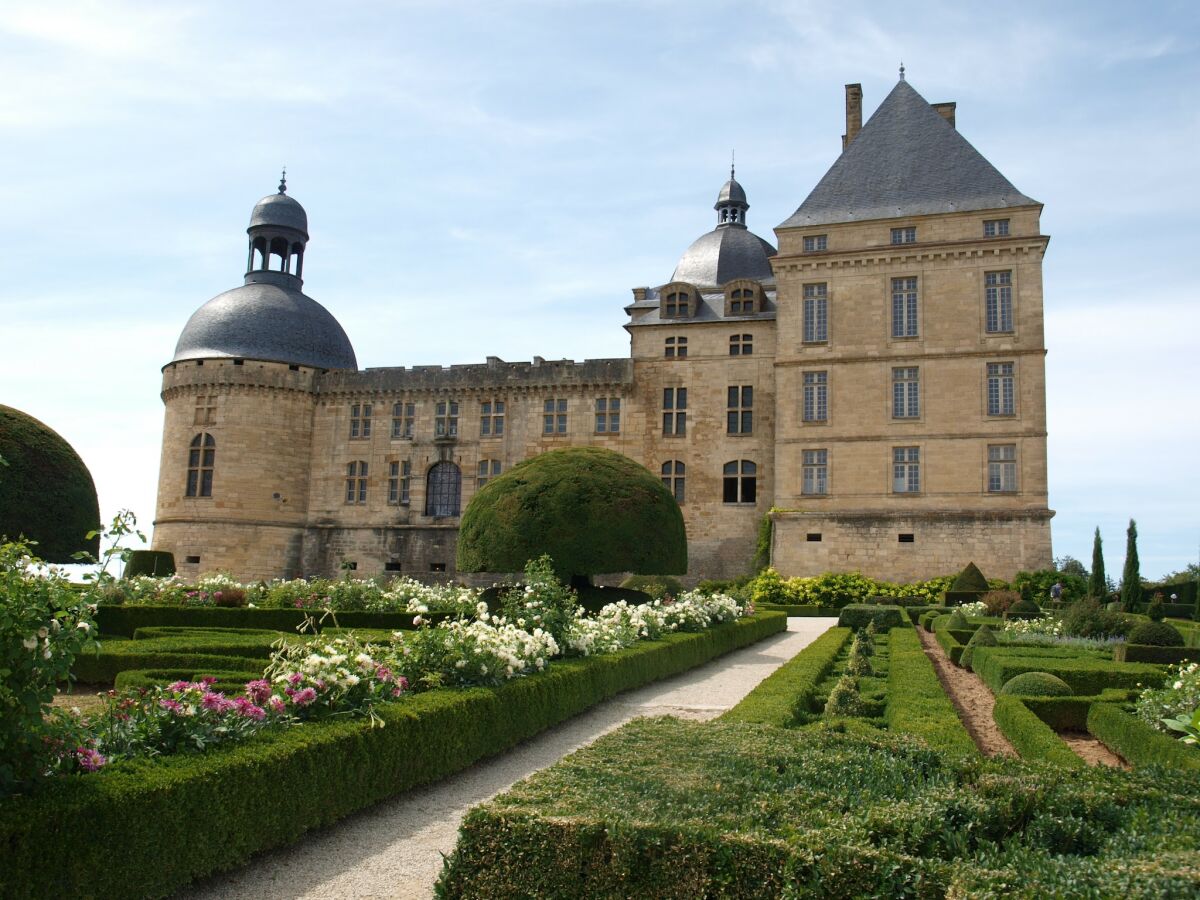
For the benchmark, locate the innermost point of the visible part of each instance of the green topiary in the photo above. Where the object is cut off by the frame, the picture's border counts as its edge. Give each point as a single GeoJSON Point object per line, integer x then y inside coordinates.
{"type": "Point", "coordinates": [864, 641]}
{"type": "Point", "coordinates": [156, 563]}
{"type": "Point", "coordinates": [859, 664]}
{"type": "Point", "coordinates": [958, 622]}
{"type": "Point", "coordinates": [1157, 634]}
{"type": "Point", "coordinates": [46, 492]}
{"type": "Point", "coordinates": [983, 637]}
{"type": "Point", "coordinates": [844, 699]}
{"type": "Point", "coordinates": [591, 510]}
{"type": "Point", "coordinates": [1156, 612]}
{"type": "Point", "coordinates": [1023, 609]}
{"type": "Point", "coordinates": [970, 579]}
{"type": "Point", "coordinates": [1037, 684]}
{"type": "Point", "coordinates": [656, 586]}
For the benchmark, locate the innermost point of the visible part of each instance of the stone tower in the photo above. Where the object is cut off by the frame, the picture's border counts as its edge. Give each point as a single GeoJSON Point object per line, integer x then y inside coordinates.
{"type": "Point", "coordinates": [235, 472]}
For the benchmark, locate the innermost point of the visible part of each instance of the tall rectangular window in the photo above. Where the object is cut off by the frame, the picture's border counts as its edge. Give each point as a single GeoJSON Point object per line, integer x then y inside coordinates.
{"type": "Point", "coordinates": [739, 410]}
{"type": "Point", "coordinates": [399, 478]}
{"type": "Point", "coordinates": [608, 415]}
{"type": "Point", "coordinates": [403, 415]}
{"type": "Point", "coordinates": [904, 235]}
{"type": "Point", "coordinates": [360, 421]}
{"type": "Point", "coordinates": [674, 411]}
{"type": "Point", "coordinates": [1001, 389]}
{"type": "Point", "coordinates": [814, 471]}
{"type": "Point", "coordinates": [995, 228]}
{"type": "Point", "coordinates": [445, 421]}
{"type": "Point", "coordinates": [906, 470]}
{"type": "Point", "coordinates": [356, 482]}
{"type": "Point", "coordinates": [488, 469]}
{"type": "Point", "coordinates": [816, 242]}
{"type": "Point", "coordinates": [673, 473]}
{"type": "Point", "coordinates": [816, 396]}
{"type": "Point", "coordinates": [491, 418]}
{"type": "Point", "coordinates": [904, 307]}
{"type": "Point", "coordinates": [998, 308]}
{"type": "Point", "coordinates": [675, 348]}
{"type": "Point", "coordinates": [906, 393]}
{"type": "Point", "coordinates": [816, 313]}
{"type": "Point", "coordinates": [1002, 468]}
{"type": "Point", "coordinates": [554, 416]}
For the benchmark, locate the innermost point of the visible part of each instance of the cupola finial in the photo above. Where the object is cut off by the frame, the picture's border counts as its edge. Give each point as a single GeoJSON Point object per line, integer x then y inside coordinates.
{"type": "Point", "coordinates": [732, 157]}
{"type": "Point", "coordinates": [902, 70]}
{"type": "Point", "coordinates": [283, 181]}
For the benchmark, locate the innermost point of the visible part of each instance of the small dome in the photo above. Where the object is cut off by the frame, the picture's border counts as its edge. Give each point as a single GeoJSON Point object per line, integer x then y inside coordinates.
{"type": "Point", "coordinates": [280, 210]}
{"type": "Point", "coordinates": [731, 192]}
{"type": "Point", "coordinates": [725, 254]}
{"type": "Point", "coordinates": [268, 321]}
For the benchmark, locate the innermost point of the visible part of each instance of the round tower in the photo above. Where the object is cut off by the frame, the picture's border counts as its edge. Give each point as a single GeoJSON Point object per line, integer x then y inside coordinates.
{"type": "Point", "coordinates": [239, 397]}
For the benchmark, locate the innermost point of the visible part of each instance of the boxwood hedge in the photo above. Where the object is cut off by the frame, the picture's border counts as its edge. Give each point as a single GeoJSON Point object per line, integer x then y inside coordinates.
{"type": "Point", "coordinates": [125, 620]}
{"type": "Point", "coordinates": [916, 702]}
{"type": "Point", "coordinates": [1126, 734]}
{"type": "Point", "coordinates": [787, 693]}
{"type": "Point", "coordinates": [1085, 674]}
{"type": "Point", "coordinates": [1032, 738]}
{"type": "Point", "coordinates": [142, 818]}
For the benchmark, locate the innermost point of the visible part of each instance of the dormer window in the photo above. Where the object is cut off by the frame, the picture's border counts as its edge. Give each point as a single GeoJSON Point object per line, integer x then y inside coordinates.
{"type": "Point", "coordinates": [742, 298]}
{"type": "Point", "coordinates": [677, 301]}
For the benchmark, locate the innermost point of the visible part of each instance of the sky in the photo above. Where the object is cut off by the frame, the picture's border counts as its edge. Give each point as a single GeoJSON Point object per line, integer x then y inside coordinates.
{"type": "Point", "coordinates": [492, 178]}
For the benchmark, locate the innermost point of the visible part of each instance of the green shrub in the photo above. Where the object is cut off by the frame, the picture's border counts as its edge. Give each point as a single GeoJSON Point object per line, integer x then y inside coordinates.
{"type": "Point", "coordinates": [958, 621]}
{"type": "Point", "coordinates": [917, 704]}
{"type": "Point", "coordinates": [236, 791]}
{"type": "Point", "coordinates": [983, 637]}
{"type": "Point", "coordinates": [1030, 736]}
{"type": "Point", "coordinates": [155, 563]}
{"type": "Point", "coordinates": [1156, 634]}
{"type": "Point", "coordinates": [787, 695]}
{"type": "Point", "coordinates": [859, 664]}
{"type": "Point", "coordinates": [655, 586]}
{"type": "Point", "coordinates": [970, 579]}
{"type": "Point", "coordinates": [125, 620]}
{"type": "Point", "coordinates": [857, 615]}
{"type": "Point", "coordinates": [1156, 610]}
{"type": "Point", "coordinates": [998, 602]}
{"type": "Point", "coordinates": [844, 699]}
{"type": "Point", "coordinates": [1086, 618]}
{"type": "Point", "coordinates": [951, 642]}
{"type": "Point", "coordinates": [1151, 654]}
{"type": "Point", "coordinates": [1036, 684]}
{"type": "Point", "coordinates": [1036, 585]}
{"type": "Point", "coordinates": [1137, 742]}
{"type": "Point", "coordinates": [1023, 609]}
{"type": "Point", "coordinates": [768, 587]}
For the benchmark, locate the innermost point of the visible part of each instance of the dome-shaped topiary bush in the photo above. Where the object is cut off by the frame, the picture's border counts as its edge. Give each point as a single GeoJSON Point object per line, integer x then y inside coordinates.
{"type": "Point", "coordinates": [592, 510]}
{"type": "Point", "coordinates": [1037, 684]}
{"type": "Point", "coordinates": [1023, 609]}
{"type": "Point", "coordinates": [970, 579]}
{"type": "Point", "coordinates": [1158, 634]}
{"type": "Point", "coordinates": [46, 492]}
{"type": "Point", "coordinates": [983, 637]}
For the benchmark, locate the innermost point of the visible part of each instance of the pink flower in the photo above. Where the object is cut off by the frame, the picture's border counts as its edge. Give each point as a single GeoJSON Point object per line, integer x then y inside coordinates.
{"type": "Point", "coordinates": [173, 706]}
{"type": "Point", "coordinates": [402, 683]}
{"type": "Point", "coordinates": [180, 687]}
{"type": "Point", "coordinates": [89, 759]}
{"type": "Point", "coordinates": [304, 697]}
{"type": "Point", "coordinates": [277, 705]}
{"type": "Point", "coordinates": [383, 673]}
{"type": "Point", "coordinates": [208, 679]}
{"type": "Point", "coordinates": [259, 690]}
{"type": "Point", "coordinates": [216, 702]}
{"type": "Point", "coordinates": [250, 711]}
{"type": "Point", "coordinates": [295, 678]}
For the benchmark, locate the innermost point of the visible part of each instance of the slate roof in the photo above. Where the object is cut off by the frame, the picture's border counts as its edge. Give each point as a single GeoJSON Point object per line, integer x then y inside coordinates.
{"type": "Point", "coordinates": [723, 254]}
{"type": "Point", "coordinates": [906, 161]}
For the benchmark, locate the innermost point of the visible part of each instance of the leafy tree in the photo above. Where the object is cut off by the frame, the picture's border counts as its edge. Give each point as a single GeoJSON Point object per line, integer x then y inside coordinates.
{"type": "Point", "coordinates": [1131, 578]}
{"type": "Point", "coordinates": [1098, 583]}
{"type": "Point", "coordinates": [1069, 565]}
{"type": "Point", "coordinates": [591, 510]}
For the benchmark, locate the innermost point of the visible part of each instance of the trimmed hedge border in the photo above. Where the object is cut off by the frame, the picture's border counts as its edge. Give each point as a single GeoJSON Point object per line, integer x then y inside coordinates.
{"type": "Point", "coordinates": [231, 681]}
{"type": "Point", "coordinates": [125, 620]}
{"type": "Point", "coordinates": [143, 816]}
{"type": "Point", "coordinates": [1032, 738]}
{"type": "Point", "coordinates": [917, 704]}
{"type": "Point", "coordinates": [790, 689]}
{"type": "Point", "coordinates": [800, 610]}
{"type": "Point", "coordinates": [1070, 713]}
{"type": "Point", "coordinates": [1086, 676]}
{"type": "Point", "coordinates": [1152, 654]}
{"type": "Point", "coordinates": [1137, 742]}
{"type": "Point", "coordinates": [860, 615]}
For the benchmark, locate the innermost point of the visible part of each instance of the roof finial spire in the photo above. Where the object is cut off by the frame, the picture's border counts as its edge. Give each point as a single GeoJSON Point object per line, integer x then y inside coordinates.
{"type": "Point", "coordinates": [283, 181]}
{"type": "Point", "coordinates": [732, 157]}
{"type": "Point", "coordinates": [902, 70]}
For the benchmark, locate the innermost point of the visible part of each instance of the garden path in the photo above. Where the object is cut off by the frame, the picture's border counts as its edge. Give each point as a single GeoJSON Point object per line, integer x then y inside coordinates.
{"type": "Point", "coordinates": [395, 849]}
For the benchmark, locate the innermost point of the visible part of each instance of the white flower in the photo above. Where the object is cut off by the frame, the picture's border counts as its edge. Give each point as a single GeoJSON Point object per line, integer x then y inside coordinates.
{"type": "Point", "coordinates": [30, 643]}
{"type": "Point", "coordinates": [42, 632]}
{"type": "Point", "coordinates": [84, 627]}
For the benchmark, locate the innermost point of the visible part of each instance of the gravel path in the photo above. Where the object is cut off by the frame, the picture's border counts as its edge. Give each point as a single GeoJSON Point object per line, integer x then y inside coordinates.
{"type": "Point", "coordinates": [395, 849]}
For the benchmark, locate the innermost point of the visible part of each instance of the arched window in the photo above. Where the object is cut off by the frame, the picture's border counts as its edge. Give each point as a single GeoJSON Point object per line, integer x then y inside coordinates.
{"type": "Point", "coordinates": [201, 455]}
{"type": "Point", "coordinates": [443, 490]}
{"type": "Point", "coordinates": [672, 479]}
{"type": "Point", "coordinates": [741, 481]}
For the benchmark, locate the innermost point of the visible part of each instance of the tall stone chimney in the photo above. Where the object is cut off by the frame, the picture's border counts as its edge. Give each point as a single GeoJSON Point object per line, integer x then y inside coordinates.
{"type": "Point", "coordinates": [853, 114]}
{"type": "Point", "coordinates": [946, 111]}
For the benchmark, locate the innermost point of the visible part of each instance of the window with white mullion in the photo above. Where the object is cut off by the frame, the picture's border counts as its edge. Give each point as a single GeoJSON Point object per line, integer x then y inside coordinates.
{"type": "Point", "coordinates": [1001, 389]}
{"type": "Point", "coordinates": [816, 313]}
{"type": "Point", "coordinates": [816, 396]}
{"type": "Point", "coordinates": [906, 470]}
{"type": "Point", "coordinates": [906, 393]}
{"type": "Point", "coordinates": [904, 307]}
{"type": "Point", "coordinates": [998, 302]}
{"type": "Point", "coordinates": [1002, 468]}
{"type": "Point", "coordinates": [815, 471]}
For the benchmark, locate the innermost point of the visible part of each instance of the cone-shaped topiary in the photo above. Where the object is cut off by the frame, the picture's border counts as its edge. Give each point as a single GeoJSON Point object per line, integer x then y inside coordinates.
{"type": "Point", "coordinates": [970, 579]}
{"type": "Point", "coordinates": [1158, 634]}
{"type": "Point", "coordinates": [46, 492]}
{"type": "Point", "coordinates": [844, 699]}
{"type": "Point", "coordinates": [859, 664]}
{"type": "Point", "coordinates": [592, 510]}
{"type": "Point", "coordinates": [1156, 612]}
{"type": "Point", "coordinates": [958, 622]}
{"type": "Point", "coordinates": [1037, 684]}
{"type": "Point", "coordinates": [983, 637]}
{"type": "Point", "coordinates": [864, 642]}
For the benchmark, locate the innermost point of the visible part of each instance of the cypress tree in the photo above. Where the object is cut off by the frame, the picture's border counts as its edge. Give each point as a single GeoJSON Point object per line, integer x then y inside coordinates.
{"type": "Point", "coordinates": [1098, 583]}
{"type": "Point", "coordinates": [1131, 579]}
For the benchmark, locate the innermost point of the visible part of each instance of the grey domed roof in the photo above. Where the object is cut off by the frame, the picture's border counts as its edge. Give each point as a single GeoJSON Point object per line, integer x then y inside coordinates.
{"type": "Point", "coordinates": [731, 191]}
{"type": "Point", "coordinates": [280, 210]}
{"type": "Point", "coordinates": [725, 253]}
{"type": "Point", "coordinates": [269, 320]}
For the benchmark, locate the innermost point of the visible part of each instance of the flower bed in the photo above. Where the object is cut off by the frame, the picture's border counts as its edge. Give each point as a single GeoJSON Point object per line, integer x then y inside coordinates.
{"type": "Point", "coordinates": [126, 620]}
{"type": "Point", "coordinates": [268, 791]}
